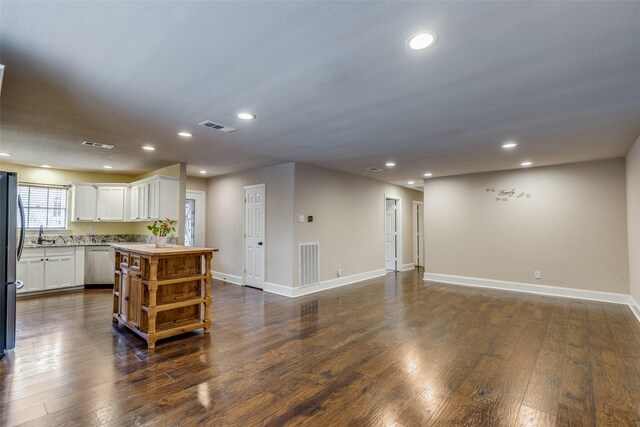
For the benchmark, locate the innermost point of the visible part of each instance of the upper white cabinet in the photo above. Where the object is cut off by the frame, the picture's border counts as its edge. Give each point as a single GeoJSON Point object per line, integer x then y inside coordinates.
{"type": "Point", "coordinates": [111, 203]}
{"type": "Point", "coordinates": [154, 198]}
{"type": "Point", "coordinates": [83, 206]}
{"type": "Point", "coordinates": [145, 200]}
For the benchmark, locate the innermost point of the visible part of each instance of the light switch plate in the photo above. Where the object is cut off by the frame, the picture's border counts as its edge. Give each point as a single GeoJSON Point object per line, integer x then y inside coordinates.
{"type": "Point", "coordinates": [301, 218]}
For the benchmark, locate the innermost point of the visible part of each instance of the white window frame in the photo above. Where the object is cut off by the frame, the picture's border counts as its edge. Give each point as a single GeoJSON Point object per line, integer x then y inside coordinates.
{"type": "Point", "coordinates": [48, 207]}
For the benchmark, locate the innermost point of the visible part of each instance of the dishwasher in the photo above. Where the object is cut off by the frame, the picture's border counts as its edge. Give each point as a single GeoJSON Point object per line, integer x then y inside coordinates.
{"type": "Point", "coordinates": [99, 264]}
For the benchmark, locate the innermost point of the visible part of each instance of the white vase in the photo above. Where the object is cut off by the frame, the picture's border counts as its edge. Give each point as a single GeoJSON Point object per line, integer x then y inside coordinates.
{"type": "Point", "coordinates": [161, 241]}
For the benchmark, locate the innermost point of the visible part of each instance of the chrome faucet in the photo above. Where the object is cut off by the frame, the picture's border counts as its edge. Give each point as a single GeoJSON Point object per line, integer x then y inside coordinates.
{"type": "Point", "coordinates": [41, 239]}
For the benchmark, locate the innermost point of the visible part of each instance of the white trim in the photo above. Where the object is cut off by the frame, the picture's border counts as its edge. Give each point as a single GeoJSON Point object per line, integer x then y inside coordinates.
{"type": "Point", "coordinates": [407, 267]}
{"type": "Point", "coordinates": [287, 291]}
{"type": "Point", "coordinates": [275, 288]}
{"type": "Point", "coordinates": [635, 307]}
{"type": "Point", "coordinates": [201, 212]}
{"type": "Point", "coordinates": [415, 231]}
{"type": "Point", "coordinates": [530, 288]}
{"type": "Point", "coordinates": [225, 277]}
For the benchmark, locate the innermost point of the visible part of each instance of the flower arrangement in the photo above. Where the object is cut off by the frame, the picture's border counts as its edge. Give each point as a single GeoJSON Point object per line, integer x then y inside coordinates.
{"type": "Point", "coordinates": [161, 229]}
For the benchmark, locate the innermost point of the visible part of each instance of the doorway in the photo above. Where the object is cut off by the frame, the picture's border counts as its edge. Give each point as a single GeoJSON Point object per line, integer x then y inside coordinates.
{"type": "Point", "coordinates": [194, 218]}
{"type": "Point", "coordinates": [418, 234]}
{"type": "Point", "coordinates": [391, 234]}
{"type": "Point", "coordinates": [254, 235]}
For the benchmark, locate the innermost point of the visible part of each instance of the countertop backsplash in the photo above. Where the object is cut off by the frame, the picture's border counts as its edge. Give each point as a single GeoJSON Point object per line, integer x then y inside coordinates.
{"type": "Point", "coordinates": [31, 241]}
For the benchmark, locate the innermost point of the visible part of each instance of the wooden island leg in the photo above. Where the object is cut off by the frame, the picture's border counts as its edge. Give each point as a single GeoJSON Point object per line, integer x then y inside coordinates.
{"type": "Point", "coordinates": [153, 308]}
{"type": "Point", "coordinates": [207, 294]}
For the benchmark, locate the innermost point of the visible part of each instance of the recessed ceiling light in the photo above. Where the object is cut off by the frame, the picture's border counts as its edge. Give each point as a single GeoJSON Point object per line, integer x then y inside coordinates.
{"type": "Point", "coordinates": [428, 174]}
{"type": "Point", "coordinates": [509, 144]}
{"type": "Point", "coordinates": [527, 163]}
{"type": "Point", "coordinates": [108, 167]}
{"type": "Point", "coordinates": [5, 155]}
{"type": "Point", "coordinates": [411, 182]}
{"type": "Point", "coordinates": [390, 164]}
{"type": "Point", "coordinates": [148, 148]}
{"type": "Point", "coordinates": [203, 172]}
{"type": "Point", "coordinates": [45, 166]}
{"type": "Point", "coordinates": [421, 40]}
{"type": "Point", "coordinates": [185, 134]}
{"type": "Point", "coordinates": [246, 116]}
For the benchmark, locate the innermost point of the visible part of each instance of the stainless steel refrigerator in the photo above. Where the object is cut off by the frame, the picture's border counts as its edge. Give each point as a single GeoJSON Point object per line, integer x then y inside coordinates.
{"type": "Point", "coordinates": [11, 245]}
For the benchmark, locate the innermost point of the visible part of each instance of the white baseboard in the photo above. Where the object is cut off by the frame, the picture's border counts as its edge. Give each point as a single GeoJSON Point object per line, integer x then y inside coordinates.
{"type": "Point", "coordinates": [229, 278]}
{"type": "Point", "coordinates": [286, 291]}
{"type": "Point", "coordinates": [533, 289]}
{"type": "Point", "coordinates": [635, 308]}
{"type": "Point", "coordinates": [407, 267]}
{"type": "Point", "coordinates": [275, 288]}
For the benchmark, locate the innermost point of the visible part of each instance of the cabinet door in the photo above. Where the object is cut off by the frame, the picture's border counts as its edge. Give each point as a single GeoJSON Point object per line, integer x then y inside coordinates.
{"type": "Point", "coordinates": [134, 202]}
{"type": "Point", "coordinates": [133, 300]}
{"type": "Point", "coordinates": [143, 201]}
{"type": "Point", "coordinates": [124, 290]}
{"type": "Point", "coordinates": [110, 203]}
{"type": "Point", "coordinates": [154, 199]}
{"type": "Point", "coordinates": [31, 271]}
{"type": "Point", "coordinates": [84, 203]}
{"type": "Point", "coordinates": [59, 271]}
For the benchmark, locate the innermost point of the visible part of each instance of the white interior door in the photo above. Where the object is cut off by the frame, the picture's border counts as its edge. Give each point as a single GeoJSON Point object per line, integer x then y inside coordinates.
{"type": "Point", "coordinates": [418, 234]}
{"type": "Point", "coordinates": [390, 234]}
{"type": "Point", "coordinates": [254, 232]}
{"type": "Point", "coordinates": [194, 218]}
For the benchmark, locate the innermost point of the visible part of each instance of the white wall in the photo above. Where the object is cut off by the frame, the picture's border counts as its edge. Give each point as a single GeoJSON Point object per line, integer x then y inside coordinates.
{"type": "Point", "coordinates": [573, 228]}
{"type": "Point", "coordinates": [633, 218]}
{"type": "Point", "coordinates": [348, 220]}
{"type": "Point", "coordinates": [225, 221]}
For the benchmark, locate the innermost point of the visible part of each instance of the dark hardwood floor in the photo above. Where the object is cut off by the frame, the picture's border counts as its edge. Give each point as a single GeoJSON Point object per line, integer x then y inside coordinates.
{"type": "Point", "coordinates": [389, 351]}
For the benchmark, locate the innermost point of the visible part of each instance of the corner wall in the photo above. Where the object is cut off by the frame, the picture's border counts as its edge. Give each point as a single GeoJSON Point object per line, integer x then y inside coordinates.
{"type": "Point", "coordinates": [633, 218]}
{"type": "Point", "coordinates": [348, 222]}
{"type": "Point", "coordinates": [572, 228]}
{"type": "Point", "coordinates": [225, 221]}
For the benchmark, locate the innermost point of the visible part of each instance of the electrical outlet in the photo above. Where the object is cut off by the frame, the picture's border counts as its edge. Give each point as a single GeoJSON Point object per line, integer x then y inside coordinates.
{"type": "Point", "coordinates": [536, 275]}
{"type": "Point", "coordinates": [301, 218]}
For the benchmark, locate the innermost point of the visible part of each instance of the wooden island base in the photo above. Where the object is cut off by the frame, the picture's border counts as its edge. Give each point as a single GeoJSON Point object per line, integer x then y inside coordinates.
{"type": "Point", "coordinates": [162, 292]}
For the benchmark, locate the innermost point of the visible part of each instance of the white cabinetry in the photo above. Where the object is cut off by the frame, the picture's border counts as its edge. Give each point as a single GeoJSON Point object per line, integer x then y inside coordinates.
{"type": "Point", "coordinates": [30, 269]}
{"type": "Point", "coordinates": [84, 202]}
{"type": "Point", "coordinates": [45, 269]}
{"type": "Point", "coordinates": [154, 198]}
{"type": "Point", "coordinates": [111, 203]}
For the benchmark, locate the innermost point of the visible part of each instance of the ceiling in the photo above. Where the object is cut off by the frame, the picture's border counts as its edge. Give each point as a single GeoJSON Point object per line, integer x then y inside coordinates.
{"type": "Point", "coordinates": [331, 83]}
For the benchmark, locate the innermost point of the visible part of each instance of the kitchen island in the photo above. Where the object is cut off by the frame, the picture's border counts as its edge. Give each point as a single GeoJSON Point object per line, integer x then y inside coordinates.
{"type": "Point", "coordinates": [162, 292]}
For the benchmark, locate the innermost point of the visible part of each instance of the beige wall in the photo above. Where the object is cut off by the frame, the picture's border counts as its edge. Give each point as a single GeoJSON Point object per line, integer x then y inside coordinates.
{"type": "Point", "coordinates": [633, 217]}
{"type": "Point", "coordinates": [196, 184]}
{"type": "Point", "coordinates": [573, 228]}
{"type": "Point", "coordinates": [348, 220]}
{"type": "Point", "coordinates": [225, 220]}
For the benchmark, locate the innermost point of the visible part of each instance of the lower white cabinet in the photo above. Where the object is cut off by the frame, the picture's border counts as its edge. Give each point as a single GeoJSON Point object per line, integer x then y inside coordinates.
{"type": "Point", "coordinates": [52, 268]}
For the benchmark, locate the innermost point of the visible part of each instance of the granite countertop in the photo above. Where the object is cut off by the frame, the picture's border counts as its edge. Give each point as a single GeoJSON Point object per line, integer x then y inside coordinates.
{"type": "Point", "coordinates": [61, 241]}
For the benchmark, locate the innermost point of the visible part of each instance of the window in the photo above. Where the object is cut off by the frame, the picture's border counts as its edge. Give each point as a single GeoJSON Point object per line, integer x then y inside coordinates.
{"type": "Point", "coordinates": [189, 222]}
{"type": "Point", "coordinates": [46, 206]}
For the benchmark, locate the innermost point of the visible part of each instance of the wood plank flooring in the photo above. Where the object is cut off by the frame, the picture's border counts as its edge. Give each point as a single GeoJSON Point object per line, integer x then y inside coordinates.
{"type": "Point", "coordinates": [389, 351]}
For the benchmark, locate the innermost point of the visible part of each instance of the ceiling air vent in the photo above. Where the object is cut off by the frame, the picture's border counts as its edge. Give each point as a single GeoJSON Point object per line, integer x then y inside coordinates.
{"type": "Point", "coordinates": [97, 145]}
{"type": "Point", "coordinates": [374, 169]}
{"type": "Point", "coordinates": [217, 126]}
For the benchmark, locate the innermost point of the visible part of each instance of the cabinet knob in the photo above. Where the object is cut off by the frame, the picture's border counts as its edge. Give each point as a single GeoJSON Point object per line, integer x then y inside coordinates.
{"type": "Point", "coordinates": [42, 259]}
{"type": "Point", "coordinates": [98, 219]}
{"type": "Point", "coordinates": [78, 219]}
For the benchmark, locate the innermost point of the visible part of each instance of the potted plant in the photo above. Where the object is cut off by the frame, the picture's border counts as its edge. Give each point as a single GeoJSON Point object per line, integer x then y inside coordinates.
{"type": "Point", "coordinates": [161, 229]}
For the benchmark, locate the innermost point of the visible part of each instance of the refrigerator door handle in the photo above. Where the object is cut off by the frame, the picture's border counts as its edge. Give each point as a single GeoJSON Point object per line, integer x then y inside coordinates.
{"type": "Point", "coordinates": [22, 226]}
